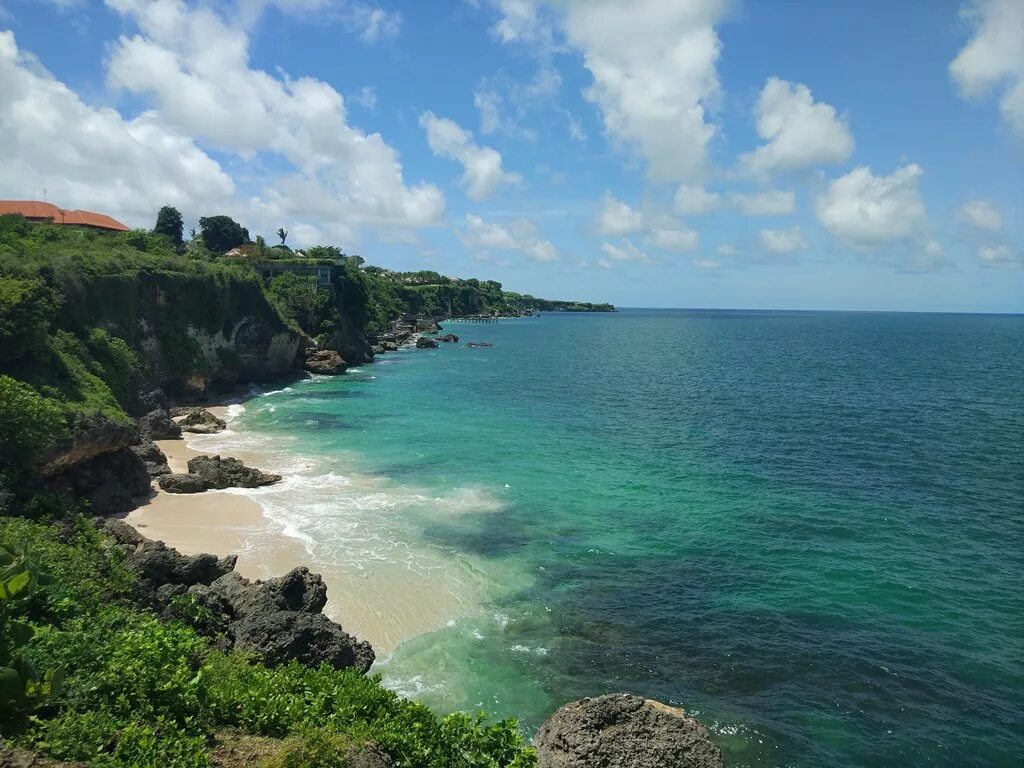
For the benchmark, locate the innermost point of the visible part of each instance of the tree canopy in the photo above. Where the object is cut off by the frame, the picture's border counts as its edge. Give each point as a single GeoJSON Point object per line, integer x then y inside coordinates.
{"type": "Point", "coordinates": [169, 224]}
{"type": "Point", "coordinates": [222, 233]}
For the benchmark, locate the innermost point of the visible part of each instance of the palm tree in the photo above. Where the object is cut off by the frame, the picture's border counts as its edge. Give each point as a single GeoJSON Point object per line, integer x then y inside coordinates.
{"type": "Point", "coordinates": [283, 234]}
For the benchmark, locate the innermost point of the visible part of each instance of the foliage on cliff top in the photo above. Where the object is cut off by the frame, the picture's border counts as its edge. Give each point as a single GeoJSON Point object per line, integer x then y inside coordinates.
{"type": "Point", "coordinates": [139, 692]}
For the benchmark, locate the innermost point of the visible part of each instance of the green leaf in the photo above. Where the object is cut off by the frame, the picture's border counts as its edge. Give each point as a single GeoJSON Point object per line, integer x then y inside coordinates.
{"type": "Point", "coordinates": [12, 687]}
{"type": "Point", "coordinates": [20, 632]}
{"type": "Point", "coordinates": [16, 584]}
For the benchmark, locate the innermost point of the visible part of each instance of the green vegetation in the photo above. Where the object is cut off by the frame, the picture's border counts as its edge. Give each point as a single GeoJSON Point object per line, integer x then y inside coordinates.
{"type": "Point", "coordinates": [170, 225]}
{"type": "Point", "coordinates": [140, 692]}
{"type": "Point", "coordinates": [222, 233]}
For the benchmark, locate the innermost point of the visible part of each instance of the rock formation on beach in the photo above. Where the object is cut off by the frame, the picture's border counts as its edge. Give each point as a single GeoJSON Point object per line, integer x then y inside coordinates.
{"type": "Point", "coordinates": [325, 362]}
{"type": "Point", "coordinates": [208, 473]}
{"type": "Point", "coordinates": [624, 731]}
{"type": "Point", "coordinates": [202, 422]}
{"type": "Point", "coordinates": [279, 619]}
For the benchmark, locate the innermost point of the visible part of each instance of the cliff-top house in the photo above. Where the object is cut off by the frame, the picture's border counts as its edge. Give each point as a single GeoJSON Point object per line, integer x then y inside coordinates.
{"type": "Point", "coordinates": [48, 213]}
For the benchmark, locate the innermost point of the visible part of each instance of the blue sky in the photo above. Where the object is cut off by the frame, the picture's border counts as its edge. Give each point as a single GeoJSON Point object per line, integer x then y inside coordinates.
{"type": "Point", "coordinates": [840, 155]}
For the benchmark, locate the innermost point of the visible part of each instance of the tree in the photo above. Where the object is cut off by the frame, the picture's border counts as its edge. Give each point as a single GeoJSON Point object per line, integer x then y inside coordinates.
{"type": "Point", "coordinates": [221, 233]}
{"type": "Point", "coordinates": [283, 234]}
{"type": "Point", "coordinates": [169, 224]}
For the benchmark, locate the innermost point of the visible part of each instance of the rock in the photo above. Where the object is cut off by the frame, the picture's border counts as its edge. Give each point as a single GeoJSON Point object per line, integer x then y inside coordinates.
{"type": "Point", "coordinates": [202, 422]}
{"type": "Point", "coordinates": [110, 482]}
{"type": "Point", "coordinates": [184, 410]}
{"type": "Point", "coordinates": [181, 483]}
{"type": "Point", "coordinates": [218, 473]}
{"type": "Point", "coordinates": [449, 338]}
{"type": "Point", "coordinates": [90, 436]}
{"type": "Point", "coordinates": [152, 457]}
{"type": "Point", "coordinates": [370, 756]}
{"type": "Point", "coordinates": [390, 346]}
{"type": "Point", "coordinates": [158, 425]}
{"type": "Point", "coordinates": [155, 400]}
{"type": "Point", "coordinates": [310, 638]}
{"type": "Point", "coordinates": [379, 349]}
{"type": "Point", "coordinates": [325, 362]}
{"type": "Point", "coordinates": [160, 565]}
{"type": "Point", "coordinates": [424, 343]}
{"type": "Point", "coordinates": [426, 326]}
{"type": "Point", "coordinates": [298, 590]}
{"type": "Point", "coordinates": [624, 731]}
{"type": "Point", "coordinates": [478, 344]}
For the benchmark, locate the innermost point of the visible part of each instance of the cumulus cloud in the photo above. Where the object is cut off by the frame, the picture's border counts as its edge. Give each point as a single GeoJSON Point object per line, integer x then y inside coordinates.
{"type": "Point", "coordinates": [94, 158]}
{"type": "Point", "coordinates": [867, 211]}
{"type": "Point", "coordinates": [680, 239]}
{"type": "Point", "coordinates": [194, 66]}
{"type": "Point", "coordinates": [618, 218]}
{"type": "Point", "coordinates": [694, 200]}
{"type": "Point", "coordinates": [981, 215]}
{"type": "Point", "coordinates": [800, 133]}
{"type": "Point", "coordinates": [706, 263]}
{"type": "Point", "coordinates": [1000, 256]}
{"type": "Point", "coordinates": [625, 252]}
{"type": "Point", "coordinates": [993, 59]}
{"type": "Point", "coordinates": [654, 69]}
{"type": "Point", "coordinates": [725, 249]}
{"type": "Point", "coordinates": [783, 240]}
{"type": "Point", "coordinates": [520, 235]}
{"type": "Point", "coordinates": [483, 165]}
{"type": "Point", "coordinates": [774, 202]}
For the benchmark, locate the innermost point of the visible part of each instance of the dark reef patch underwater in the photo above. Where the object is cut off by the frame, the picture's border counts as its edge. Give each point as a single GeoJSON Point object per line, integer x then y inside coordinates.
{"type": "Point", "coordinates": [805, 528]}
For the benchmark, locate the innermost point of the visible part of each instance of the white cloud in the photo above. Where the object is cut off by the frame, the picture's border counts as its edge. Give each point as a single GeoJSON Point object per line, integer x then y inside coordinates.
{"type": "Point", "coordinates": [993, 59]}
{"type": "Point", "coordinates": [519, 235]}
{"type": "Point", "coordinates": [724, 249]}
{"type": "Point", "coordinates": [371, 23]}
{"type": "Point", "coordinates": [483, 166]}
{"type": "Point", "coordinates": [694, 200]}
{"type": "Point", "coordinates": [865, 211]}
{"type": "Point", "coordinates": [799, 132]}
{"type": "Point", "coordinates": [783, 240]}
{"type": "Point", "coordinates": [93, 158]}
{"type": "Point", "coordinates": [505, 104]}
{"type": "Point", "coordinates": [653, 64]}
{"type": "Point", "coordinates": [367, 97]}
{"type": "Point", "coordinates": [774, 202]}
{"type": "Point", "coordinates": [618, 218]}
{"type": "Point", "coordinates": [521, 22]}
{"type": "Point", "coordinates": [980, 214]}
{"type": "Point", "coordinates": [626, 252]}
{"type": "Point", "coordinates": [706, 264]}
{"type": "Point", "coordinates": [681, 240]}
{"type": "Point", "coordinates": [1000, 257]}
{"type": "Point", "coordinates": [194, 65]}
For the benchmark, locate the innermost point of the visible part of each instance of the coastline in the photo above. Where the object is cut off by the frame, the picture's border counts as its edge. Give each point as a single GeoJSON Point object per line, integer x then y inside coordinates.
{"type": "Point", "coordinates": [384, 603]}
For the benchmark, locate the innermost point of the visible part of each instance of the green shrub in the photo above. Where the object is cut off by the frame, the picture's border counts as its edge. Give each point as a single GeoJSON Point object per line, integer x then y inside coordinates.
{"type": "Point", "coordinates": [27, 307]}
{"type": "Point", "coordinates": [29, 423]}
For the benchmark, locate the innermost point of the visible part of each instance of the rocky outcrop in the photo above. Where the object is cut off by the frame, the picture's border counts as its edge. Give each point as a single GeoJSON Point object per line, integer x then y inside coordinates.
{"type": "Point", "coordinates": [109, 482]}
{"type": "Point", "coordinates": [201, 421]}
{"type": "Point", "coordinates": [278, 620]}
{"type": "Point", "coordinates": [158, 425]}
{"type": "Point", "coordinates": [218, 473]}
{"type": "Point", "coordinates": [89, 436]}
{"type": "Point", "coordinates": [325, 362]}
{"type": "Point", "coordinates": [424, 325]}
{"type": "Point", "coordinates": [424, 343]}
{"type": "Point", "coordinates": [152, 457]}
{"type": "Point", "coordinates": [181, 483]}
{"type": "Point", "coordinates": [478, 344]}
{"type": "Point", "coordinates": [449, 338]}
{"type": "Point", "coordinates": [624, 731]}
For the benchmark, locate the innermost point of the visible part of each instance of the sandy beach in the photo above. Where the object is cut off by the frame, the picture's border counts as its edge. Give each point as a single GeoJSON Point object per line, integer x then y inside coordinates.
{"type": "Point", "coordinates": [385, 603]}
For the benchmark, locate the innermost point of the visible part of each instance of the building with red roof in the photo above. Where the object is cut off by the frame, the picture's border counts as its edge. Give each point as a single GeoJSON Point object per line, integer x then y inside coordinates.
{"type": "Point", "coordinates": [48, 213]}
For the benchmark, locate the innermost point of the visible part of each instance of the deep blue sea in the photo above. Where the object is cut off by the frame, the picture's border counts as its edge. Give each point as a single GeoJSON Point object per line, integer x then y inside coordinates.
{"type": "Point", "coordinates": [805, 528]}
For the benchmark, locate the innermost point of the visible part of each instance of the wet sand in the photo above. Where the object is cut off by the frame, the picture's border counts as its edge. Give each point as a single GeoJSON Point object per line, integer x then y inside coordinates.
{"type": "Point", "coordinates": [385, 604]}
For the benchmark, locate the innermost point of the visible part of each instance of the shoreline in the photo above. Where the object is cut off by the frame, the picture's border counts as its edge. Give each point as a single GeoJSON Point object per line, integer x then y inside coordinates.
{"type": "Point", "coordinates": [385, 603]}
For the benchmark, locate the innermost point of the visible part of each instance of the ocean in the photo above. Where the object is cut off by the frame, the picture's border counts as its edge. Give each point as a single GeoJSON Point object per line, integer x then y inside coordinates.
{"type": "Point", "coordinates": [805, 528]}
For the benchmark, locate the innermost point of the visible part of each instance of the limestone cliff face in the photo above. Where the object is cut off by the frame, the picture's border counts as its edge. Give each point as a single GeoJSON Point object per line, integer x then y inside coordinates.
{"type": "Point", "coordinates": [196, 332]}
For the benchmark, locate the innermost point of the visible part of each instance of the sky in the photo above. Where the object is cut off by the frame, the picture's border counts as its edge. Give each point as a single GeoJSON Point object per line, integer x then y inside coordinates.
{"type": "Point", "coordinates": [851, 154]}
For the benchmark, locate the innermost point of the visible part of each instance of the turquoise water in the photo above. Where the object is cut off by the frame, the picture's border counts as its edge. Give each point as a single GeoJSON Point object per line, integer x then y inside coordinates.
{"type": "Point", "coordinates": [807, 528]}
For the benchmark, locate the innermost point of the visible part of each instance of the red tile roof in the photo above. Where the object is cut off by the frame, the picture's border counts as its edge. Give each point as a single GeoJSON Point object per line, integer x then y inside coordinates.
{"type": "Point", "coordinates": [33, 209]}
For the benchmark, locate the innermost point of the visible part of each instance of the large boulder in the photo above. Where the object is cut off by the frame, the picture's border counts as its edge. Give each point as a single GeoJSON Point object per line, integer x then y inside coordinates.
{"type": "Point", "coordinates": [202, 422]}
{"type": "Point", "coordinates": [449, 338]}
{"type": "Point", "coordinates": [110, 482]}
{"type": "Point", "coordinates": [89, 437]}
{"type": "Point", "coordinates": [390, 346]}
{"type": "Point", "coordinates": [181, 483]}
{"type": "Point", "coordinates": [158, 425]}
{"type": "Point", "coordinates": [152, 457]}
{"type": "Point", "coordinates": [217, 473]}
{"type": "Point", "coordinates": [325, 362]}
{"type": "Point", "coordinates": [424, 343]}
{"type": "Point", "coordinates": [624, 731]}
{"type": "Point", "coordinates": [310, 638]}
{"type": "Point", "coordinates": [298, 590]}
